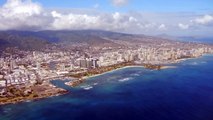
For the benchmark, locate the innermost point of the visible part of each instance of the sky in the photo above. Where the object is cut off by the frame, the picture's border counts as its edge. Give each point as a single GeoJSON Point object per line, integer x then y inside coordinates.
{"type": "Point", "coordinates": [152, 17]}
{"type": "Point", "coordinates": [139, 5]}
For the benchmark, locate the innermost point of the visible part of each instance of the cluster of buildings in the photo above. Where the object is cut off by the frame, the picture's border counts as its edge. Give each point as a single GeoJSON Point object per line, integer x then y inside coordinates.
{"type": "Point", "coordinates": [36, 65]}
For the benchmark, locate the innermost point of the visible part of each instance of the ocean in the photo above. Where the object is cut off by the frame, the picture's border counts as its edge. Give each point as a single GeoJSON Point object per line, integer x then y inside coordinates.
{"type": "Point", "coordinates": [181, 93]}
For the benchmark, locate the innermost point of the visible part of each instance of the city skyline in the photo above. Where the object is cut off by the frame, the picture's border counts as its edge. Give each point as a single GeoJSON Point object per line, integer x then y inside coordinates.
{"type": "Point", "coordinates": [177, 18]}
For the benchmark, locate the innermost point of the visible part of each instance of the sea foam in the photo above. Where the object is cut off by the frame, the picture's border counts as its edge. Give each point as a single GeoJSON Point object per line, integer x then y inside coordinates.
{"type": "Point", "coordinates": [87, 87]}
{"type": "Point", "coordinates": [125, 79]}
{"type": "Point", "coordinates": [136, 74]}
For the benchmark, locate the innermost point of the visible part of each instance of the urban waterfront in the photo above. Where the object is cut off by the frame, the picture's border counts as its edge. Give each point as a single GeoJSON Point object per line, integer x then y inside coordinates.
{"type": "Point", "coordinates": [181, 93]}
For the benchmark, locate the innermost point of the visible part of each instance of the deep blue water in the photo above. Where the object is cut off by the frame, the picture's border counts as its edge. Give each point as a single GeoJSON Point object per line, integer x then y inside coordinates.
{"type": "Point", "coordinates": [207, 40]}
{"type": "Point", "coordinates": [182, 93]}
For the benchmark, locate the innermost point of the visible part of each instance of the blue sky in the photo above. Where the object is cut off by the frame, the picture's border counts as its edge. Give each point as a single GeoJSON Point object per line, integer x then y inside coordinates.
{"type": "Point", "coordinates": [139, 5]}
{"type": "Point", "coordinates": [173, 17]}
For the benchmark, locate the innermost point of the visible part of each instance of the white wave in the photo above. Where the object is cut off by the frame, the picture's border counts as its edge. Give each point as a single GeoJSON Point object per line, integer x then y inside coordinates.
{"type": "Point", "coordinates": [194, 63]}
{"type": "Point", "coordinates": [135, 74]}
{"type": "Point", "coordinates": [28, 101]}
{"type": "Point", "coordinates": [86, 87]}
{"type": "Point", "coordinates": [125, 79]}
{"type": "Point", "coordinates": [95, 84]}
{"type": "Point", "coordinates": [7, 110]}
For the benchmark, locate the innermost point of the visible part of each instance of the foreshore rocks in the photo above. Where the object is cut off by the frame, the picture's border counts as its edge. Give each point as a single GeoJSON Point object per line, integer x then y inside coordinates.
{"type": "Point", "coordinates": [154, 67]}
{"type": "Point", "coordinates": [15, 95]}
{"type": "Point", "coordinates": [75, 82]}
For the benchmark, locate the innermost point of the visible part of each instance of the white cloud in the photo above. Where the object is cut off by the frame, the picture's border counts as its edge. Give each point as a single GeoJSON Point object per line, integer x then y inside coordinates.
{"type": "Point", "coordinates": [16, 14]}
{"type": "Point", "coordinates": [28, 15]}
{"type": "Point", "coordinates": [56, 15]}
{"type": "Point", "coordinates": [74, 21]}
{"type": "Point", "coordinates": [116, 16]}
{"type": "Point", "coordinates": [148, 26]}
{"type": "Point", "coordinates": [18, 7]}
{"type": "Point", "coordinates": [109, 21]}
{"type": "Point", "coordinates": [119, 2]}
{"type": "Point", "coordinates": [132, 19]}
{"type": "Point", "coordinates": [204, 20]}
{"type": "Point", "coordinates": [162, 27]}
{"type": "Point", "coordinates": [183, 26]}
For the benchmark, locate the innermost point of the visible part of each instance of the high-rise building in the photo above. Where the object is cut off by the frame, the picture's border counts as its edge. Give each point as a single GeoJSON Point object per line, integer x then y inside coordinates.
{"type": "Point", "coordinates": [88, 63]}
{"type": "Point", "coordinates": [83, 63]}
{"type": "Point", "coordinates": [12, 65]}
{"type": "Point", "coordinates": [95, 63]}
{"type": "Point", "coordinates": [38, 65]}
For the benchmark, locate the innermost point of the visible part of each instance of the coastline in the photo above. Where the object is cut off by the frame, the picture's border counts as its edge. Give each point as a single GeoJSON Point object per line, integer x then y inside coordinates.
{"type": "Point", "coordinates": [84, 77]}
{"type": "Point", "coordinates": [50, 91]}
{"type": "Point", "coordinates": [87, 77]}
{"type": "Point", "coordinates": [163, 67]}
{"type": "Point", "coordinates": [78, 80]}
{"type": "Point", "coordinates": [32, 99]}
{"type": "Point", "coordinates": [168, 67]}
{"type": "Point", "coordinates": [98, 89]}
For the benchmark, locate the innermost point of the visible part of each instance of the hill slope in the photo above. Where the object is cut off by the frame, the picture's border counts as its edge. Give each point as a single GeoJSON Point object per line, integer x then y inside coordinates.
{"type": "Point", "coordinates": [36, 40]}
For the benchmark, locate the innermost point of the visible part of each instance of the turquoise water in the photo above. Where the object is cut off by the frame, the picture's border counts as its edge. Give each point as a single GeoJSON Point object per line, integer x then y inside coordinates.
{"type": "Point", "coordinates": [182, 93]}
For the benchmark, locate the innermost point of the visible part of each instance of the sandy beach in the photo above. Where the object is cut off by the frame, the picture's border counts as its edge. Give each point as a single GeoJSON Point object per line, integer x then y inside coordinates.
{"type": "Point", "coordinates": [168, 67]}
{"type": "Point", "coordinates": [87, 77]}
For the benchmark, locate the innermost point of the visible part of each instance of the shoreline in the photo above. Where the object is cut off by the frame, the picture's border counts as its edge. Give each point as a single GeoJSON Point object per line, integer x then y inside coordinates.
{"type": "Point", "coordinates": [83, 77]}
{"type": "Point", "coordinates": [168, 67]}
{"type": "Point", "coordinates": [87, 77]}
{"type": "Point", "coordinates": [60, 91]}
{"type": "Point", "coordinates": [34, 99]}
{"type": "Point", "coordinates": [50, 90]}
{"type": "Point", "coordinates": [78, 80]}
{"type": "Point", "coordinates": [163, 67]}
{"type": "Point", "coordinates": [55, 91]}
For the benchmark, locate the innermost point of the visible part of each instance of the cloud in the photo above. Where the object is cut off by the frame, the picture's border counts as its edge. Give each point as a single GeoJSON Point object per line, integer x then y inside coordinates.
{"type": "Point", "coordinates": [119, 2]}
{"type": "Point", "coordinates": [114, 21]}
{"type": "Point", "coordinates": [74, 21]}
{"type": "Point", "coordinates": [17, 7]}
{"type": "Point", "coordinates": [162, 27]}
{"type": "Point", "coordinates": [207, 19]}
{"type": "Point", "coordinates": [16, 14]}
{"type": "Point", "coordinates": [28, 15]}
{"type": "Point", "coordinates": [132, 19]}
{"type": "Point", "coordinates": [116, 16]}
{"type": "Point", "coordinates": [183, 26]}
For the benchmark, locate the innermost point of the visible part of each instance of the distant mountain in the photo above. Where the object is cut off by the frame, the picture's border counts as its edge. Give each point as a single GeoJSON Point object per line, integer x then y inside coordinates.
{"type": "Point", "coordinates": [37, 40]}
{"type": "Point", "coordinates": [165, 36]}
{"type": "Point", "coordinates": [11, 38]}
{"type": "Point", "coordinates": [15, 39]}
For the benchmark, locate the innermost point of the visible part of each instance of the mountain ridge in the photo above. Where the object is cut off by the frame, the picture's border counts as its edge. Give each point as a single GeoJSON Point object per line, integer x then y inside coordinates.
{"type": "Point", "coordinates": [35, 40]}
